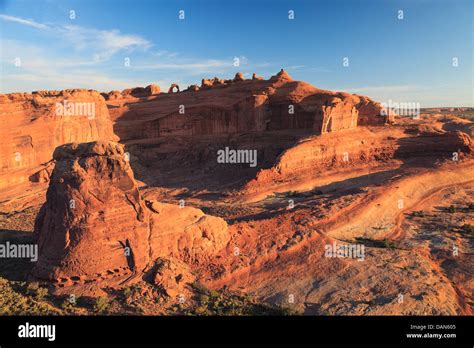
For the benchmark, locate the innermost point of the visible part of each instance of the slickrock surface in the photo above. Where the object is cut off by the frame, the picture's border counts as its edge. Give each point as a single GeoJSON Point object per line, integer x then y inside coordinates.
{"type": "Point", "coordinates": [185, 233]}
{"type": "Point", "coordinates": [311, 159]}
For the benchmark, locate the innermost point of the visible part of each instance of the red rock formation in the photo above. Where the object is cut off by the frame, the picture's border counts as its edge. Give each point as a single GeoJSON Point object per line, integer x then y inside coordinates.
{"type": "Point", "coordinates": [240, 105]}
{"type": "Point", "coordinates": [153, 89]}
{"type": "Point", "coordinates": [92, 214]}
{"type": "Point", "coordinates": [315, 157]}
{"type": "Point", "coordinates": [185, 233]}
{"type": "Point", "coordinates": [193, 88]}
{"type": "Point", "coordinates": [141, 92]}
{"type": "Point", "coordinates": [33, 125]}
{"type": "Point", "coordinates": [238, 77]}
{"type": "Point", "coordinates": [94, 222]}
{"type": "Point", "coordinates": [282, 75]}
{"type": "Point", "coordinates": [173, 87]}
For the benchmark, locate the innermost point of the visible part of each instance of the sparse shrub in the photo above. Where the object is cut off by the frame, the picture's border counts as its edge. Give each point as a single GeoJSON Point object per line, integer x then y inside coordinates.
{"type": "Point", "coordinates": [203, 299]}
{"type": "Point", "coordinates": [292, 193]}
{"type": "Point", "coordinates": [14, 300]}
{"type": "Point", "coordinates": [470, 206]}
{"type": "Point", "coordinates": [451, 209]}
{"type": "Point", "coordinates": [127, 292]}
{"type": "Point", "coordinates": [41, 293]}
{"type": "Point", "coordinates": [31, 288]}
{"type": "Point", "coordinates": [212, 302]}
{"type": "Point", "coordinates": [418, 213]}
{"type": "Point", "coordinates": [101, 304]}
{"type": "Point", "coordinates": [34, 290]}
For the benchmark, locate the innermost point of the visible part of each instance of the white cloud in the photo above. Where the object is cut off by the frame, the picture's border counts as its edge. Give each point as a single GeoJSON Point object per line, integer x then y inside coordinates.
{"type": "Point", "coordinates": [23, 21]}
{"type": "Point", "coordinates": [104, 43]}
{"type": "Point", "coordinates": [74, 56]}
{"type": "Point", "coordinates": [101, 44]}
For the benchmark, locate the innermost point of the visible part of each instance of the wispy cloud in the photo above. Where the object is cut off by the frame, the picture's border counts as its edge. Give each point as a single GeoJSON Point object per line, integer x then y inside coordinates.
{"type": "Point", "coordinates": [197, 66]}
{"type": "Point", "coordinates": [23, 21]}
{"type": "Point", "coordinates": [77, 56]}
{"type": "Point", "coordinates": [102, 43]}
{"type": "Point", "coordinates": [295, 67]}
{"type": "Point", "coordinates": [105, 43]}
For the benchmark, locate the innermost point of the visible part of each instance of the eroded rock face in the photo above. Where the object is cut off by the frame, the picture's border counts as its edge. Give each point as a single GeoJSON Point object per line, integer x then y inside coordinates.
{"type": "Point", "coordinates": [185, 233]}
{"type": "Point", "coordinates": [139, 92]}
{"type": "Point", "coordinates": [173, 276]}
{"type": "Point", "coordinates": [244, 105]}
{"type": "Point", "coordinates": [33, 125]}
{"type": "Point", "coordinates": [94, 222]}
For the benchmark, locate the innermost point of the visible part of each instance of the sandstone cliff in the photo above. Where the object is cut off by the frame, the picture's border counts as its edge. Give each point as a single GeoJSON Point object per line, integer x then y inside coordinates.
{"type": "Point", "coordinates": [242, 105]}
{"type": "Point", "coordinates": [33, 125]}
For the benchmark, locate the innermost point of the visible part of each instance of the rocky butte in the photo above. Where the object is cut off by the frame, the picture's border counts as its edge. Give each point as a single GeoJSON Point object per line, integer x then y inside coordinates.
{"type": "Point", "coordinates": [243, 105]}
{"type": "Point", "coordinates": [96, 227]}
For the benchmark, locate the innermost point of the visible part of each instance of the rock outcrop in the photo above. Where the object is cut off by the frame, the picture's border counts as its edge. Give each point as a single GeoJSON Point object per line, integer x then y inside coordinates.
{"type": "Point", "coordinates": [240, 105]}
{"type": "Point", "coordinates": [238, 77]}
{"type": "Point", "coordinates": [33, 125]}
{"type": "Point", "coordinates": [173, 87]}
{"type": "Point", "coordinates": [141, 92]}
{"type": "Point", "coordinates": [93, 220]}
{"type": "Point", "coordinates": [185, 233]}
{"type": "Point", "coordinates": [95, 224]}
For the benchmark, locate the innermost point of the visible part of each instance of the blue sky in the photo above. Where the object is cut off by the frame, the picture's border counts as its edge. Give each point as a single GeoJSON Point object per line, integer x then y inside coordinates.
{"type": "Point", "coordinates": [409, 59]}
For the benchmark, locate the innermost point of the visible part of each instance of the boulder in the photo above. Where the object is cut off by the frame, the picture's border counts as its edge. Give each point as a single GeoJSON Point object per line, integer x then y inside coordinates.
{"type": "Point", "coordinates": [152, 89]}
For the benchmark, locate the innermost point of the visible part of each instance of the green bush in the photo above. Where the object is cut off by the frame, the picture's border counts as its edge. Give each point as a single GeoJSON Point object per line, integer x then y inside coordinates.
{"type": "Point", "coordinates": [101, 304]}
{"type": "Point", "coordinates": [41, 293]}
{"type": "Point", "coordinates": [451, 209]}
{"type": "Point", "coordinates": [34, 290]}
{"type": "Point", "coordinates": [127, 292]}
{"type": "Point", "coordinates": [212, 302]}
